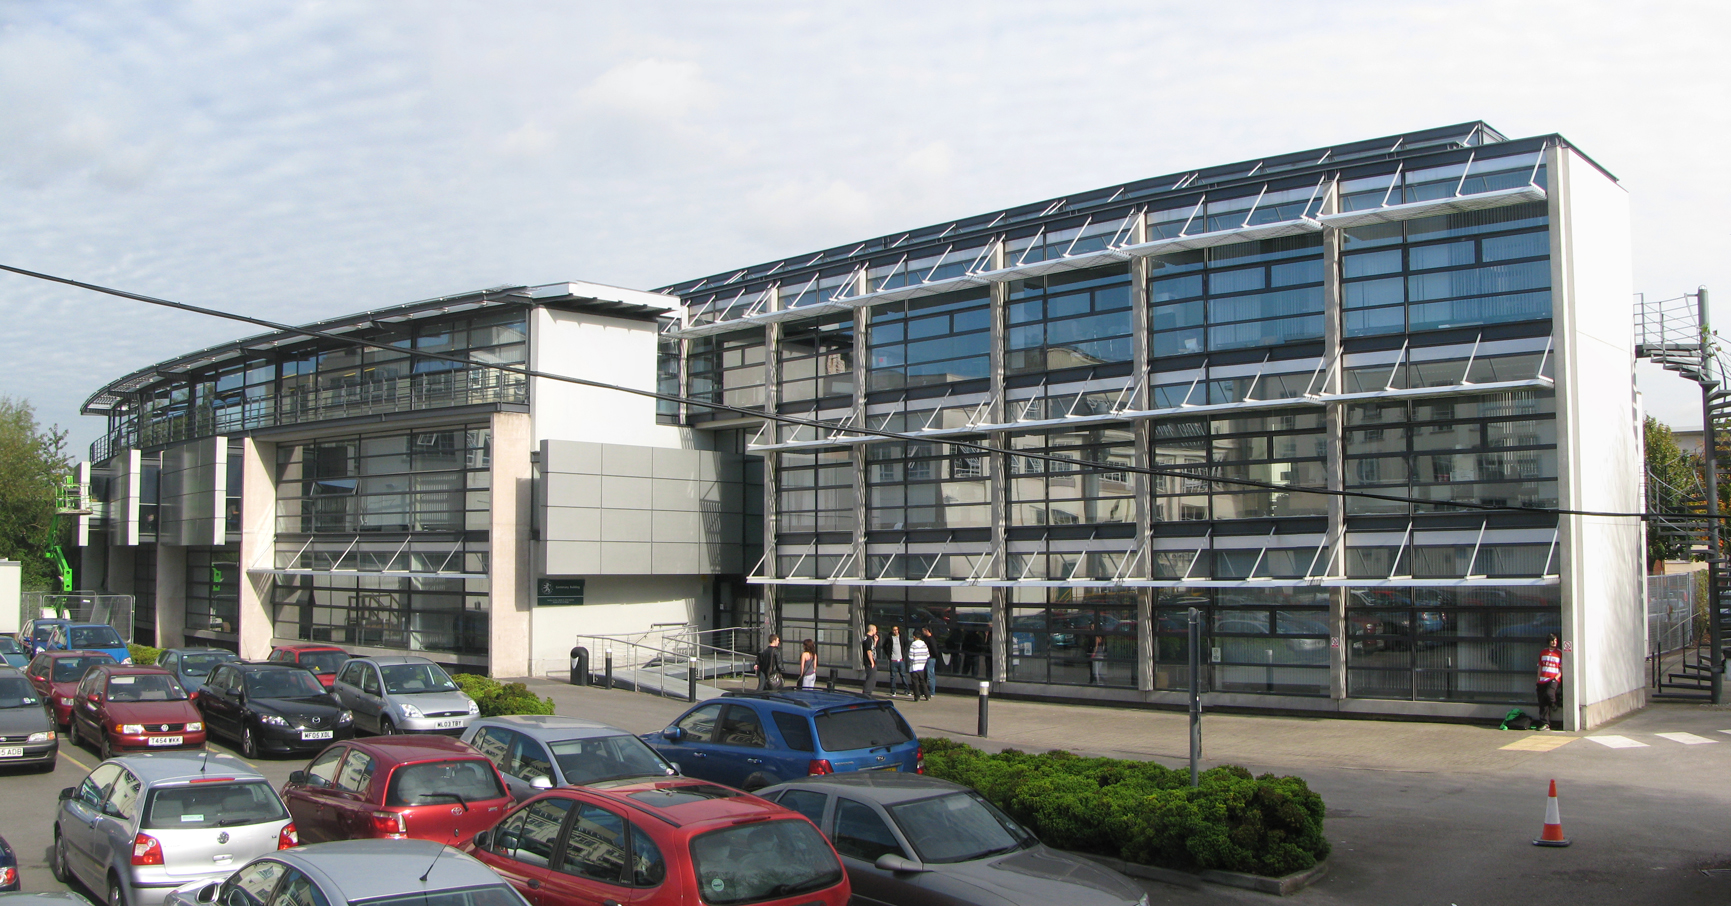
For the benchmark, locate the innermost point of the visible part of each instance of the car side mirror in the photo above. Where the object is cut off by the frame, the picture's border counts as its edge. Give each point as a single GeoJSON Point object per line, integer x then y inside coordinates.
{"type": "Point", "coordinates": [207, 893]}
{"type": "Point", "coordinates": [70, 792]}
{"type": "Point", "coordinates": [673, 734]}
{"type": "Point", "coordinates": [483, 840]}
{"type": "Point", "coordinates": [240, 696]}
{"type": "Point", "coordinates": [542, 782]}
{"type": "Point", "coordinates": [297, 778]}
{"type": "Point", "coordinates": [673, 769]}
{"type": "Point", "coordinates": [893, 862]}
{"type": "Point", "coordinates": [93, 697]}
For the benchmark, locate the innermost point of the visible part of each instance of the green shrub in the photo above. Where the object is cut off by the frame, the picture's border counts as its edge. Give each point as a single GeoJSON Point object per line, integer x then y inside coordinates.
{"type": "Point", "coordinates": [143, 655]}
{"type": "Point", "coordinates": [496, 698]}
{"type": "Point", "coordinates": [1146, 813]}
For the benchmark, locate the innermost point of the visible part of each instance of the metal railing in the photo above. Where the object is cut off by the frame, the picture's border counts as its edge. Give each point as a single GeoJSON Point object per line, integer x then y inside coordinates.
{"type": "Point", "coordinates": [671, 660]}
{"type": "Point", "coordinates": [79, 607]}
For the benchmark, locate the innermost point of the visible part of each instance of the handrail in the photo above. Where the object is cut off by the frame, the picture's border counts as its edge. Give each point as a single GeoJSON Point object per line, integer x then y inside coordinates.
{"type": "Point", "coordinates": [671, 663]}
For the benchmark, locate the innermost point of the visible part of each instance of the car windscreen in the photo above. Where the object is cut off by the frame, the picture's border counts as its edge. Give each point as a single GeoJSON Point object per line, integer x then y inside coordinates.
{"type": "Point", "coordinates": [473, 779]}
{"type": "Point", "coordinates": [322, 661]}
{"type": "Point", "coordinates": [204, 804]}
{"type": "Point", "coordinates": [491, 895]}
{"type": "Point", "coordinates": [764, 860]}
{"type": "Point", "coordinates": [861, 728]}
{"type": "Point", "coordinates": [9, 645]}
{"type": "Point", "coordinates": [607, 758]}
{"type": "Point", "coordinates": [148, 687]}
{"type": "Point", "coordinates": [41, 633]}
{"type": "Point", "coordinates": [96, 637]}
{"type": "Point", "coordinates": [283, 684]}
{"type": "Point", "coordinates": [67, 669]}
{"type": "Point", "coordinates": [16, 692]}
{"type": "Point", "coordinates": [404, 679]}
{"type": "Point", "coordinates": [958, 828]}
{"type": "Point", "coordinates": [202, 664]}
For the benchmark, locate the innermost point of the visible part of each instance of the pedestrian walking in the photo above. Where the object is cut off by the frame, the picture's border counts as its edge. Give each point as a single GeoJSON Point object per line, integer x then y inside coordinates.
{"type": "Point", "coordinates": [808, 665]}
{"type": "Point", "coordinates": [1097, 662]}
{"type": "Point", "coordinates": [1550, 681]}
{"type": "Point", "coordinates": [897, 654]}
{"type": "Point", "coordinates": [868, 649]}
{"type": "Point", "coordinates": [932, 662]}
{"type": "Point", "coordinates": [769, 665]}
{"type": "Point", "coordinates": [918, 655]}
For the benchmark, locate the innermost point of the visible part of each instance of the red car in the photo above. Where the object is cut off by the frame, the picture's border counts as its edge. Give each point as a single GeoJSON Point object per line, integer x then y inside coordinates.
{"type": "Point", "coordinates": [657, 842]}
{"type": "Point", "coordinates": [430, 787]}
{"type": "Point", "coordinates": [55, 674]}
{"type": "Point", "coordinates": [122, 708]}
{"type": "Point", "coordinates": [322, 660]}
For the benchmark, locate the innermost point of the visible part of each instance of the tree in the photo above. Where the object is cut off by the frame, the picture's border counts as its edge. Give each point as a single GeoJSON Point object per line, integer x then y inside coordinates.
{"type": "Point", "coordinates": [33, 462]}
{"type": "Point", "coordinates": [1673, 487]}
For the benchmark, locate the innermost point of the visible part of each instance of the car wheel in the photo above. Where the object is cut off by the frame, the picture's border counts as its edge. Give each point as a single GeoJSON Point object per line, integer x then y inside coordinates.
{"type": "Point", "coordinates": [57, 860]}
{"type": "Point", "coordinates": [757, 782]}
{"type": "Point", "coordinates": [116, 896]}
{"type": "Point", "coordinates": [386, 728]}
{"type": "Point", "coordinates": [248, 744]}
{"type": "Point", "coordinates": [105, 746]}
{"type": "Point", "coordinates": [72, 733]}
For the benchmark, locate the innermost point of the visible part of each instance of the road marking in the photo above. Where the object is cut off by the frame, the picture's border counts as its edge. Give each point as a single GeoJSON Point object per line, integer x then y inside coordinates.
{"type": "Point", "coordinates": [73, 760]}
{"type": "Point", "coordinates": [1617, 742]}
{"type": "Point", "coordinates": [1688, 739]}
{"type": "Point", "coordinates": [1539, 743]}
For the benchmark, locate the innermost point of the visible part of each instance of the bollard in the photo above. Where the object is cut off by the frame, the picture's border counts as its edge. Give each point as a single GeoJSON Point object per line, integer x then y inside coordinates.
{"type": "Point", "coordinates": [609, 669]}
{"type": "Point", "coordinates": [691, 682]}
{"type": "Point", "coordinates": [985, 696]}
{"type": "Point", "coordinates": [830, 685]}
{"type": "Point", "coordinates": [579, 666]}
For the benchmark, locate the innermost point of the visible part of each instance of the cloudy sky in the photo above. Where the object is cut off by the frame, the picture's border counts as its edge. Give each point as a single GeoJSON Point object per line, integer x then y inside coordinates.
{"type": "Point", "coordinates": [304, 160]}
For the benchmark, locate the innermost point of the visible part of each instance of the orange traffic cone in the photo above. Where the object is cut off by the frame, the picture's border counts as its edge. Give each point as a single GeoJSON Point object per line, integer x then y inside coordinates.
{"type": "Point", "coordinates": [1552, 835]}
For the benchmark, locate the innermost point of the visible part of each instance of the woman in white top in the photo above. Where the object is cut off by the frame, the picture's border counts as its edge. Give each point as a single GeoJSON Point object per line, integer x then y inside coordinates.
{"type": "Point", "coordinates": [808, 665]}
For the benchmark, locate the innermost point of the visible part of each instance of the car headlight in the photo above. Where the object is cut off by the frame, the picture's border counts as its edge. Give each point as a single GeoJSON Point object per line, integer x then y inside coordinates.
{"type": "Point", "coordinates": [194, 727]}
{"type": "Point", "coordinates": [474, 708]}
{"type": "Point", "coordinates": [66, 700]}
{"type": "Point", "coordinates": [410, 712]}
{"type": "Point", "coordinates": [344, 718]}
{"type": "Point", "coordinates": [272, 720]}
{"type": "Point", "coordinates": [129, 729]}
{"type": "Point", "coordinates": [45, 736]}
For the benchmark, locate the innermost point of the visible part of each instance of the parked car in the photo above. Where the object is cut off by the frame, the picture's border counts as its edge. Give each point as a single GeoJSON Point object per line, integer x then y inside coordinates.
{"type": "Point", "coordinates": [8, 868]}
{"type": "Point", "coordinates": [374, 872]}
{"type": "Point", "coordinates": [55, 674]}
{"type": "Point", "coordinates": [323, 660]}
{"type": "Point", "coordinates": [34, 635]}
{"type": "Point", "coordinates": [907, 839]}
{"type": "Point", "coordinates": [27, 734]}
{"type": "Point", "coordinates": [661, 842]}
{"type": "Point", "coordinates": [404, 694]}
{"type": "Point", "coordinates": [138, 826]}
{"type": "Point", "coordinates": [44, 898]}
{"type": "Point", "coordinates": [192, 665]}
{"type": "Point", "coordinates": [277, 708]}
{"type": "Point", "coordinates": [119, 708]}
{"type": "Point", "coordinates": [751, 740]}
{"type": "Point", "coordinates": [429, 787]}
{"type": "Point", "coordinates": [536, 752]}
{"type": "Point", "coordinates": [90, 637]}
{"type": "Point", "coordinates": [12, 654]}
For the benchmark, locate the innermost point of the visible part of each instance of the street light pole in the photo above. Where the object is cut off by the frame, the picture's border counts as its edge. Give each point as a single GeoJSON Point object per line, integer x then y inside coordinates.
{"type": "Point", "coordinates": [1710, 466]}
{"type": "Point", "coordinates": [1195, 691]}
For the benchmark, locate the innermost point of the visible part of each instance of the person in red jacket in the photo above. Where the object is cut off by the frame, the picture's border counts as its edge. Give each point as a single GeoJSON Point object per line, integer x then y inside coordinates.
{"type": "Point", "coordinates": [1550, 681]}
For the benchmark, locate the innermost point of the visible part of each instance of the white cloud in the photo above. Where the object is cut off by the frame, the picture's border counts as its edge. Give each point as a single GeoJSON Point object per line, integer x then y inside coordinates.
{"type": "Point", "coordinates": [653, 89]}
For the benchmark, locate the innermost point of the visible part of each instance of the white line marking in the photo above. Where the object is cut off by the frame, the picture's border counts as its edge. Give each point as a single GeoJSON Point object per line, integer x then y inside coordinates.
{"type": "Point", "coordinates": [1617, 742]}
{"type": "Point", "coordinates": [1688, 739]}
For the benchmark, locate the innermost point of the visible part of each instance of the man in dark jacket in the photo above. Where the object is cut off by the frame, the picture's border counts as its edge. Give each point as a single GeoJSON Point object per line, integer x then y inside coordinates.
{"type": "Point", "coordinates": [769, 665]}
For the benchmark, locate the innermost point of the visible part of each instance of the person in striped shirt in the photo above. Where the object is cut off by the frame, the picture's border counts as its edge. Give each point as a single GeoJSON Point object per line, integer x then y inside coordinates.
{"type": "Point", "coordinates": [1550, 681]}
{"type": "Point", "coordinates": [918, 653]}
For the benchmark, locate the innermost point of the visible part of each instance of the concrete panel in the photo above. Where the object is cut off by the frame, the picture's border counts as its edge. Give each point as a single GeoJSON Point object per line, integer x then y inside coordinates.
{"type": "Point", "coordinates": [625, 525]}
{"type": "Point", "coordinates": [674, 495]}
{"type": "Point", "coordinates": [564, 489]}
{"type": "Point", "coordinates": [675, 558]}
{"type": "Point", "coordinates": [573, 558]}
{"type": "Point", "coordinates": [572, 524]}
{"type": "Point", "coordinates": [626, 493]}
{"type": "Point", "coordinates": [672, 525]}
{"type": "Point", "coordinates": [622, 460]}
{"type": "Point", "coordinates": [625, 558]}
{"type": "Point", "coordinates": [510, 574]}
{"type": "Point", "coordinates": [680, 464]}
{"type": "Point", "coordinates": [574, 456]}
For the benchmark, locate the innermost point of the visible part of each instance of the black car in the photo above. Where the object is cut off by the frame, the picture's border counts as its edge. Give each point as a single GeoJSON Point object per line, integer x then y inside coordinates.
{"type": "Point", "coordinates": [266, 707]}
{"type": "Point", "coordinates": [8, 868]}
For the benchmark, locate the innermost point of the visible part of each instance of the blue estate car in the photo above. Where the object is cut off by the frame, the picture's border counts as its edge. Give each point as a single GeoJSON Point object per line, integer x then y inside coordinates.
{"type": "Point", "coordinates": [90, 637]}
{"type": "Point", "coordinates": [751, 740]}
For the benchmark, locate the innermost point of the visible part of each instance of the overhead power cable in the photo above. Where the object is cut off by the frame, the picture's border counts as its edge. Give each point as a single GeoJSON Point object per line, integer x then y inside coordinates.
{"type": "Point", "coordinates": [514, 294]}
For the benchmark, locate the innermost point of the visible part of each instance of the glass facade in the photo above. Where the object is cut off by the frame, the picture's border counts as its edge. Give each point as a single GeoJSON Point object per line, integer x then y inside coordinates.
{"type": "Point", "coordinates": [213, 578]}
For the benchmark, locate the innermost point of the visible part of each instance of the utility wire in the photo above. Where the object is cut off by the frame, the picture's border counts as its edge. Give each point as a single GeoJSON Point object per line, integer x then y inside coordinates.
{"type": "Point", "coordinates": [513, 293]}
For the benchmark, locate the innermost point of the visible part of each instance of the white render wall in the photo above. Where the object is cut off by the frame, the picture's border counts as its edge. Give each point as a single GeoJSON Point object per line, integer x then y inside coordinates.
{"type": "Point", "coordinates": [1599, 440]}
{"type": "Point", "coordinates": [601, 348]}
{"type": "Point", "coordinates": [614, 605]}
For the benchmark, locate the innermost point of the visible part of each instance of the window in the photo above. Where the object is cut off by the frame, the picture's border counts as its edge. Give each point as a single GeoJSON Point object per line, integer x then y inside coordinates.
{"type": "Point", "coordinates": [471, 779]}
{"type": "Point", "coordinates": [860, 832]}
{"type": "Point", "coordinates": [93, 790]}
{"type": "Point", "coordinates": [746, 863]}
{"type": "Point", "coordinates": [531, 760]}
{"type": "Point", "coordinates": [817, 359]}
{"type": "Point", "coordinates": [203, 805]}
{"type": "Point", "coordinates": [934, 340]}
{"type": "Point", "coordinates": [699, 725]}
{"type": "Point", "coordinates": [297, 889]}
{"type": "Point", "coordinates": [595, 848]}
{"type": "Point", "coordinates": [795, 730]}
{"type": "Point", "coordinates": [539, 830]}
{"type": "Point", "coordinates": [1237, 296]}
{"type": "Point", "coordinates": [1082, 636]}
{"type": "Point", "coordinates": [959, 827]}
{"type": "Point", "coordinates": [648, 868]}
{"type": "Point", "coordinates": [1093, 487]}
{"type": "Point", "coordinates": [495, 743]}
{"type": "Point", "coordinates": [807, 802]}
{"type": "Point", "coordinates": [251, 886]}
{"type": "Point", "coordinates": [816, 491]}
{"type": "Point", "coordinates": [323, 771]}
{"type": "Point", "coordinates": [369, 680]}
{"type": "Point", "coordinates": [123, 796]}
{"type": "Point", "coordinates": [1074, 320]}
{"type": "Point", "coordinates": [742, 727]}
{"type": "Point", "coordinates": [919, 485]}
{"type": "Point", "coordinates": [859, 728]}
{"type": "Point", "coordinates": [357, 772]}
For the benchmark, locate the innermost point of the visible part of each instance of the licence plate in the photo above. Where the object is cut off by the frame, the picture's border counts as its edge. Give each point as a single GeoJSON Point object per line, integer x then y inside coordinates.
{"type": "Point", "coordinates": [165, 740]}
{"type": "Point", "coordinates": [448, 724]}
{"type": "Point", "coordinates": [12, 752]}
{"type": "Point", "coordinates": [887, 767]}
{"type": "Point", "coordinates": [315, 734]}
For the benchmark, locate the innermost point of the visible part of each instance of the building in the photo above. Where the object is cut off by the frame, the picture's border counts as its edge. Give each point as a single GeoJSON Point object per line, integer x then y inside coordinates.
{"type": "Point", "coordinates": [1333, 400]}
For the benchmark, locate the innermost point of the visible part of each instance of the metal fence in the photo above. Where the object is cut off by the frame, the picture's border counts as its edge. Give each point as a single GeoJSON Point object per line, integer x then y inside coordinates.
{"type": "Point", "coordinates": [80, 607]}
{"type": "Point", "coordinates": [1671, 604]}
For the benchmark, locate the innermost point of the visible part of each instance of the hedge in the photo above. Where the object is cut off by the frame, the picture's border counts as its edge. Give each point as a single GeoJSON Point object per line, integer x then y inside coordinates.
{"type": "Point", "coordinates": [1145, 813]}
{"type": "Point", "coordinates": [143, 655]}
{"type": "Point", "coordinates": [496, 698]}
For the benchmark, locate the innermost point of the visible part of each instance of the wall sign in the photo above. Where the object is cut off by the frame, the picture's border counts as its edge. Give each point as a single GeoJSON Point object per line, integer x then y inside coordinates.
{"type": "Point", "coordinates": [558, 592]}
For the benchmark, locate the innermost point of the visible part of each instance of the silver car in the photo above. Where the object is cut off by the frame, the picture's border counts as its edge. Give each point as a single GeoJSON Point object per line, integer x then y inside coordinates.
{"type": "Point", "coordinates": [536, 752]}
{"type": "Point", "coordinates": [403, 694]}
{"type": "Point", "coordinates": [380, 872]}
{"type": "Point", "coordinates": [141, 825]}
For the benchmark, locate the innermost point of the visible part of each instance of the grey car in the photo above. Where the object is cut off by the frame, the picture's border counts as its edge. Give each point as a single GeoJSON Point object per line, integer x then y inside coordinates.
{"type": "Point", "coordinates": [192, 665]}
{"type": "Point", "coordinates": [538, 752]}
{"type": "Point", "coordinates": [907, 839]}
{"type": "Point", "coordinates": [45, 898]}
{"type": "Point", "coordinates": [403, 694]}
{"type": "Point", "coordinates": [27, 736]}
{"type": "Point", "coordinates": [405, 872]}
{"type": "Point", "coordinates": [141, 825]}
